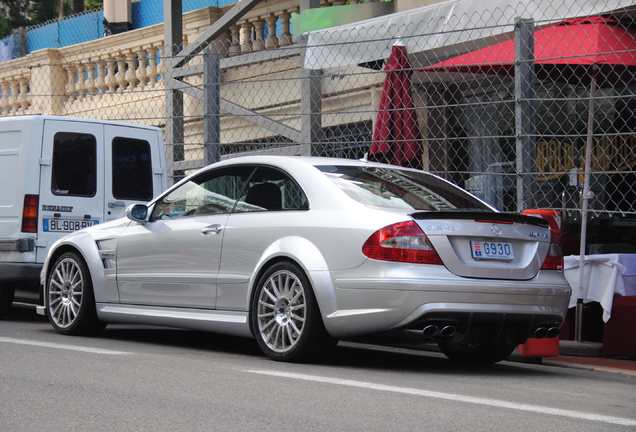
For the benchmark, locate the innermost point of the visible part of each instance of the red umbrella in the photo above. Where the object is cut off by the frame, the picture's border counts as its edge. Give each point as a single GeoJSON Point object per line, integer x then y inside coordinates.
{"type": "Point", "coordinates": [563, 52]}
{"type": "Point", "coordinates": [396, 136]}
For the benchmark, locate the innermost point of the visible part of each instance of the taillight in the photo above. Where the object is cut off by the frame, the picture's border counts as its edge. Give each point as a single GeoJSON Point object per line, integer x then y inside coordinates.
{"type": "Point", "coordinates": [554, 259]}
{"type": "Point", "coordinates": [403, 242]}
{"type": "Point", "coordinates": [30, 214]}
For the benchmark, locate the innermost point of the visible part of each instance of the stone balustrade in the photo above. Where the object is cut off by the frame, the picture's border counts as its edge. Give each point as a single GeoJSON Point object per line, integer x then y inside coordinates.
{"type": "Point", "coordinates": [69, 80]}
{"type": "Point", "coordinates": [15, 97]}
{"type": "Point", "coordinates": [270, 30]}
{"type": "Point", "coordinates": [115, 72]}
{"type": "Point", "coordinates": [261, 32]}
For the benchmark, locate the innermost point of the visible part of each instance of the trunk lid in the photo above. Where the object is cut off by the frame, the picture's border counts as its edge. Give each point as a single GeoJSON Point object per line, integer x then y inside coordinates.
{"type": "Point", "coordinates": [487, 244]}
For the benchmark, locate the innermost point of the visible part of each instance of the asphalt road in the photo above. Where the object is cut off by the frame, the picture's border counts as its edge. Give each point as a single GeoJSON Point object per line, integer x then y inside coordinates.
{"type": "Point", "coordinates": [134, 378]}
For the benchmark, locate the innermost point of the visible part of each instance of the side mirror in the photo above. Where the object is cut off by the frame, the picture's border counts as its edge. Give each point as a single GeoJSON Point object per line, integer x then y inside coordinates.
{"type": "Point", "coordinates": [137, 213]}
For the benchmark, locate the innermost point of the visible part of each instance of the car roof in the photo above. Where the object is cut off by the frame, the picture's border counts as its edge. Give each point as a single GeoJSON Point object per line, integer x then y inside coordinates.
{"type": "Point", "coordinates": [290, 161]}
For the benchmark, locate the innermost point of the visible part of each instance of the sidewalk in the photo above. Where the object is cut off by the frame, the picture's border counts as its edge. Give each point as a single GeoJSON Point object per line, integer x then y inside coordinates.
{"type": "Point", "coordinates": [582, 355]}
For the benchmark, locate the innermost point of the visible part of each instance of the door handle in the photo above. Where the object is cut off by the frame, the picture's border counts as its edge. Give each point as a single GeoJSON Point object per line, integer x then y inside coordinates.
{"type": "Point", "coordinates": [212, 229]}
{"type": "Point", "coordinates": [116, 204]}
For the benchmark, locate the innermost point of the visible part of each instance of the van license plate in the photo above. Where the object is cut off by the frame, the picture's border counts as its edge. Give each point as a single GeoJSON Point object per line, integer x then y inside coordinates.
{"type": "Point", "coordinates": [492, 250]}
{"type": "Point", "coordinates": [67, 225]}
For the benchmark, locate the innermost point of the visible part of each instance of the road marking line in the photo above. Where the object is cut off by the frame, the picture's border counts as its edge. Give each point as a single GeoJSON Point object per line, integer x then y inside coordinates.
{"type": "Point", "coordinates": [454, 397]}
{"type": "Point", "coordinates": [62, 346]}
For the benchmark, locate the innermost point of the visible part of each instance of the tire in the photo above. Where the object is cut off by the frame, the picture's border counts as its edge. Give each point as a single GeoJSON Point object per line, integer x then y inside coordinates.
{"type": "Point", "coordinates": [285, 316]}
{"type": "Point", "coordinates": [476, 354]}
{"type": "Point", "coordinates": [6, 299]}
{"type": "Point", "coordinates": [70, 301]}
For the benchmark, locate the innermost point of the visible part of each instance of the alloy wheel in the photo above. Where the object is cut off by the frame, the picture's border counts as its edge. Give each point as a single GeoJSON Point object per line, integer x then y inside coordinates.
{"type": "Point", "coordinates": [66, 290]}
{"type": "Point", "coordinates": [281, 311]}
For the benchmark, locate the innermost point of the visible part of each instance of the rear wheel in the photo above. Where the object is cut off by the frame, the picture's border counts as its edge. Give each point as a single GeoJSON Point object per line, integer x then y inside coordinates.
{"type": "Point", "coordinates": [476, 354]}
{"type": "Point", "coordinates": [285, 316]}
{"type": "Point", "coordinates": [6, 299]}
{"type": "Point", "coordinates": [70, 301]}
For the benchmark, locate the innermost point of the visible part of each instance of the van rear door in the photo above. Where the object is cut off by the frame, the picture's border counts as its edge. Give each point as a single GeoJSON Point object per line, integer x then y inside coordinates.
{"type": "Point", "coordinates": [133, 167]}
{"type": "Point", "coordinates": [71, 180]}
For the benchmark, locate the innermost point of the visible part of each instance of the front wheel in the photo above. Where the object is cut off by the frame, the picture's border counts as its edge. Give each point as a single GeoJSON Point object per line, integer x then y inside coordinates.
{"type": "Point", "coordinates": [70, 301]}
{"type": "Point", "coordinates": [476, 354]}
{"type": "Point", "coordinates": [285, 316]}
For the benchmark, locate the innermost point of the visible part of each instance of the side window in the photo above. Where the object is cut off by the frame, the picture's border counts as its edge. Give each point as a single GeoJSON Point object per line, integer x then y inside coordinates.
{"type": "Point", "coordinates": [273, 190]}
{"type": "Point", "coordinates": [211, 192]}
{"type": "Point", "coordinates": [132, 169]}
{"type": "Point", "coordinates": [74, 164]}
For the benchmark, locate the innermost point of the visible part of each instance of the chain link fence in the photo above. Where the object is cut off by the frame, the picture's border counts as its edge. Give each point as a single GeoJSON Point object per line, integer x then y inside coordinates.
{"type": "Point", "coordinates": [550, 127]}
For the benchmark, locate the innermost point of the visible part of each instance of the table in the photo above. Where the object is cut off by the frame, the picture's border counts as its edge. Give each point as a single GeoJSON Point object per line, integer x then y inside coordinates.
{"type": "Point", "coordinates": [604, 275]}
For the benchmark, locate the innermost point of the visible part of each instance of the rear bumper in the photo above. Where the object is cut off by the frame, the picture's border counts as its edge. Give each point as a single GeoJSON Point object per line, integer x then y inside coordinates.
{"type": "Point", "coordinates": [18, 272]}
{"type": "Point", "coordinates": [479, 325]}
{"type": "Point", "coordinates": [371, 301]}
{"type": "Point", "coordinates": [18, 245]}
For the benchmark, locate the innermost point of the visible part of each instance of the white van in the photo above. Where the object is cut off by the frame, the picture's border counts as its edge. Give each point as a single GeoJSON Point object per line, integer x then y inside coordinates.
{"type": "Point", "coordinates": [62, 174]}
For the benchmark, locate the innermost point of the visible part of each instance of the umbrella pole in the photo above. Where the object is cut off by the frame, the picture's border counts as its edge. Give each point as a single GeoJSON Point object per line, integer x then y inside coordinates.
{"type": "Point", "coordinates": [578, 327]}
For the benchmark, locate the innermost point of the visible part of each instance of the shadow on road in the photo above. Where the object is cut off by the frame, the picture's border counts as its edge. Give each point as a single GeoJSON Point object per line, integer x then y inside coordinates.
{"type": "Point", "coordinates": [425, 359]}
{"type": "Point", "coordinates": [191, 339]}
{"type": "Point", "coordinates": [347, 354]}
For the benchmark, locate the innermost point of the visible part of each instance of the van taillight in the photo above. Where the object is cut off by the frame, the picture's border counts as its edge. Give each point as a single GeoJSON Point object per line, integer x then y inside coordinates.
{"type": "Point", "coordinates": [30, 214]}
{"type": "Point", "coordinates": [554, 259]}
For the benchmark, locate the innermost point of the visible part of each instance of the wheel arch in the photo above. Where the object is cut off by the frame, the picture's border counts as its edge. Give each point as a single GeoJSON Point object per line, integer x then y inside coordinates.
{"type": "Point", "coordinates": [80, 245]}
{"type": "Point", "coordinates": [75, 307]}
{"type": "Point", "coordinates": [311, 261]}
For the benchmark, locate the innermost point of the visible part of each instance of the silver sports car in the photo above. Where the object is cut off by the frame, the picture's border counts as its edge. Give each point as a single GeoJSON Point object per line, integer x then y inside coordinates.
{"type": "Point", "coordinates": [302, 252]}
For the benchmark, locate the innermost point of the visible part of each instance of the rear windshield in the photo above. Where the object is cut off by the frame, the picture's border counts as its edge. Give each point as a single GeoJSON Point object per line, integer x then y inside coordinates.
{"type": "Point", "coordinates": [401, 189]}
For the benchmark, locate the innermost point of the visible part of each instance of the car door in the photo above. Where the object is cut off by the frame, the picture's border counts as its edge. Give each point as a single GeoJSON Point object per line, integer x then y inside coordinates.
{"type": "Point", "coordinates": [173, 260]}
{"type": "Point", "coordinates": [71, 179]}
{"type": "Point", "coordinates": [134, 168]}
{"type": "Point", "coordinates": [270, 208]}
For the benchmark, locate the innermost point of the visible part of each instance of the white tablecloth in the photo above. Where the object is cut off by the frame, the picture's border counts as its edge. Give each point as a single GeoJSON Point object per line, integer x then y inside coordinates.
{"type": "Point", "coordinates": [603, 276]}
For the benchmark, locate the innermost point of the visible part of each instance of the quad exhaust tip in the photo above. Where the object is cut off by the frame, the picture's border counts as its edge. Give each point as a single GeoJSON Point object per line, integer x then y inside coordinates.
{"type": "Point", "coordinates": [448, 331]}
{"type": "Point", "coordinates": [433, 330]}
{"type": "Point", "coordinates": [430, 330]}
{"type": "Point", "coordinates": [545, 332]}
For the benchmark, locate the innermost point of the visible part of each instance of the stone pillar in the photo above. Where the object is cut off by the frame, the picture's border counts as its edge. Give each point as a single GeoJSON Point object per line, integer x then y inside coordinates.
{"type": "Point", "coordinates": [272, 41]}
{"type": "Point", "coordinates": [259, 42]}
{"type": "Point", "coordinates": [285, 38]}
{"type": "Point", "coordinates": [47, 83]}
{"type": "Point", "coordinates": [235, 46]}
{"type": "Point", "coordinates": [246, 37]}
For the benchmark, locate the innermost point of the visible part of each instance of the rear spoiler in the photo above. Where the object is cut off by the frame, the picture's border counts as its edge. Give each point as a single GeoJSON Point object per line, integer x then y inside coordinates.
{"type": "Point", "coordinates": [493, 217]}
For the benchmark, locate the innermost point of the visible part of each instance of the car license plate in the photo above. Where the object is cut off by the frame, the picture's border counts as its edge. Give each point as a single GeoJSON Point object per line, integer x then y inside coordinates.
{"type": "Point", "coordinates": [67, 225]}
{"type": "Point", "coordinates": [492, 250]}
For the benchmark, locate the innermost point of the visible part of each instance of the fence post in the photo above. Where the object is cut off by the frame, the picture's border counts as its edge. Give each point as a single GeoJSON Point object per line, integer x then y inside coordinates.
{"type": "Point", "coordinates": [173, 39]}
{"type": "Point", "coordinates": [310, 98]}
{"type": "Point", "coordinates": [587, 195]}
{"type": "Point", "coordinates": [310, 108]}
{"type": "Point", "coordinates": [212, 105]}
{"type": "Point", "coordinates": [525, 125]}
